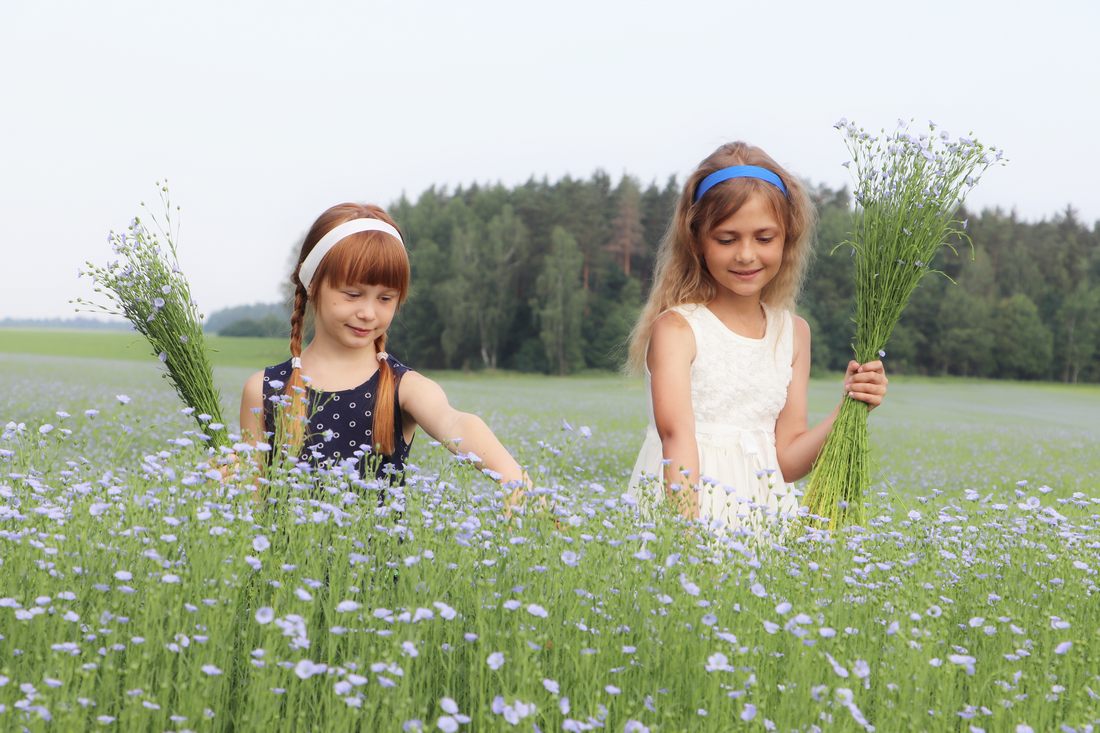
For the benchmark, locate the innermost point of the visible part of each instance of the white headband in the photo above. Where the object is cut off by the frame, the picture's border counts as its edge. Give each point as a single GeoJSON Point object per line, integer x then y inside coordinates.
{"type": "Point", "coordinates": [337, 233]}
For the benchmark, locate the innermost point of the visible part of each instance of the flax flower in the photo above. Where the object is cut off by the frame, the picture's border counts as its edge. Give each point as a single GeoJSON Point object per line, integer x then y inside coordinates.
{"type": "Point", "coordinates": [147, 287]}
{"type": "Point", "coordinates": [908, 190]}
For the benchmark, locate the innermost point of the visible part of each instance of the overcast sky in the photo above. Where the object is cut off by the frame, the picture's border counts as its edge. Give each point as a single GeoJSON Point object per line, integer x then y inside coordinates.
{"type": "Point", "coordinates": [262, 114]}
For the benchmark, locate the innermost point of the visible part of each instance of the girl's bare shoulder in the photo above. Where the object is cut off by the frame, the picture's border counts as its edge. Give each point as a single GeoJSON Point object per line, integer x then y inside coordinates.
{"type": "Point", "coordinates": [671, 322]}
{"type": "Point", "coordinates": [801, 330]}
{"type": "Point", "coordinates": [672, 338]}
{"type": "Point", "coordinates": [254, 385]}
{"type": "Point", "coordinates": [413, 380]}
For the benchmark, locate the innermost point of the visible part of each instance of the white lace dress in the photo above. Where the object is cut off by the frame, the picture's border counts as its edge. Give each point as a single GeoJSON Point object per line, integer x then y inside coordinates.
{"type": "Point", "coordinates": [738, 388]}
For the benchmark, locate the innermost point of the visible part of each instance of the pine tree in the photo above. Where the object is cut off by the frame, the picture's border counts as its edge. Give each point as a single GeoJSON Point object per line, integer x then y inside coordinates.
{"type": "Point", "coordinates": [627, 232]}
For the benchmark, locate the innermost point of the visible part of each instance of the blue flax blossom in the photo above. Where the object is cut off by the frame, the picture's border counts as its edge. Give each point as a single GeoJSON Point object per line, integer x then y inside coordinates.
{"type": "Point", "coordinates": [718, 662]}
{"type": "Point", "coordinates": [689, 587]}
{"type": "Point", "coordinates": [512, 713]}
{"type": "Point", "coordinates": [307, 668]}
{"type": "Point", "coordinates": [445, 612]}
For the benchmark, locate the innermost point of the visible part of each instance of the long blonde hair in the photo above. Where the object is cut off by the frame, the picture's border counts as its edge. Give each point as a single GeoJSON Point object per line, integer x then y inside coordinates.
{"type": "Point", "coordinates": [681, 275]}
{"type": "Point", "coordinates": [371, 257]}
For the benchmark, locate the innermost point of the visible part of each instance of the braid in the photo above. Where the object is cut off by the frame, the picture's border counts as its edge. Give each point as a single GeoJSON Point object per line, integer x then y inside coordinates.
{"type": "Point", "coordinates": [383, 427]}
{"type": "Point", "coordinates": [294, 415]}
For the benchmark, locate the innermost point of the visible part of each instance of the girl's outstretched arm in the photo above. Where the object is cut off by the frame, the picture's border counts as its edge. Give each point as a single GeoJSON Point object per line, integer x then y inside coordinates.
{"type": "Point", "coordinates": [669, 356]}
{"type": "Point", "coordinates": [796, 444]}
{"type": "Point", "coordinates": [425, 402]}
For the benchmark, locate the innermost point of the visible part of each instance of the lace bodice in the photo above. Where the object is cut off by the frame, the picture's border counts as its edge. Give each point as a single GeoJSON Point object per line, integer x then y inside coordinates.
{"type": "Point", "coordinates": [737, 382]}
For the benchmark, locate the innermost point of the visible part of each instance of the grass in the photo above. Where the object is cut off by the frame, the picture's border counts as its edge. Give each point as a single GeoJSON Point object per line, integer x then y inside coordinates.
{"type": "Point", "coordinates": [133, 586]}
{"type": "Point", "coordinates": [127, 346]}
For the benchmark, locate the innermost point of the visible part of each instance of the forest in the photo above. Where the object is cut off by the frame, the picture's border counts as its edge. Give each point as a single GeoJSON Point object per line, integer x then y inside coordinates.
{"type": "Point", "coordinates": [550, 276]}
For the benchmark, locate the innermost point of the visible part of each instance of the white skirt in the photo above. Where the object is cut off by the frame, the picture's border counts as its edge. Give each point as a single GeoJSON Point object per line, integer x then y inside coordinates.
{"type": "Point", "coordinates": [741, 484]}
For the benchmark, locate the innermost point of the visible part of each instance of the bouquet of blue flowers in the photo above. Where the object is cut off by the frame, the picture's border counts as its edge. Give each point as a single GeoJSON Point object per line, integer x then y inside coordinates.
{"type": "Point", "coordinates": [909, 188]}
{"type": "Point", "coordinates": [146, 286]}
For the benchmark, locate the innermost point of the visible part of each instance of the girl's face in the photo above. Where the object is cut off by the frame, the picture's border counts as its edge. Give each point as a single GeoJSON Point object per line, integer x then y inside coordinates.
{"type": "Point", "coordinates": [354, 315]}
{"type": "Point", "coordinates": [744, 252]}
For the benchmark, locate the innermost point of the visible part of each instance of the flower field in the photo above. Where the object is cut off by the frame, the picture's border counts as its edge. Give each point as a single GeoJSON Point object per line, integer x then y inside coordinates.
{"type": "Point", "coordinates": [141, 590]}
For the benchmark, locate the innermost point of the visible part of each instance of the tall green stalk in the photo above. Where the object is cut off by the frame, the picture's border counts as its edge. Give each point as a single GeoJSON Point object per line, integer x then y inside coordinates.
{"type": "Point", "coordinates": [908, 190]}
{"type": "Point", "coordinates": [146, 286]}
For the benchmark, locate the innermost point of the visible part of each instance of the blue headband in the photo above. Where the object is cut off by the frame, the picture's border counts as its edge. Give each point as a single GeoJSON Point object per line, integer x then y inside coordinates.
{"type": "Point", "coordinates": [738, 171]}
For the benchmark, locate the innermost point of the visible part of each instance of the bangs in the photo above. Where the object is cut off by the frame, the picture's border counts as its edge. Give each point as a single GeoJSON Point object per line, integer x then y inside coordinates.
{"type": "Point", "coordinates": [722, 201]}
{"type": "Point", "coordinates": [367, 258]}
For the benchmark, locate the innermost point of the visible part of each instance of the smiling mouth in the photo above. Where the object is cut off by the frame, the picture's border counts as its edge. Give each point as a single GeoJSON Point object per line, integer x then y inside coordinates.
{"type": "Point", "coordinates": [359, 331]}
{"type": "Point", "coordinates": [746, 273]}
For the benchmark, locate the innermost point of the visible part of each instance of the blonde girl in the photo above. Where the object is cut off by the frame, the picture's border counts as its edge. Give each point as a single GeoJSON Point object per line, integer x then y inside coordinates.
{"type": "Point", "coordinates": [726, 360]}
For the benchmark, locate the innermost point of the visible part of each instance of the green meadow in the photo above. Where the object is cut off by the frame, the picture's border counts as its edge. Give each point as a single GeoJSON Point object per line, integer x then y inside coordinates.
{"type": "Point", "coordinates": [130, 346]}
{"type": "Point", "coordinates": [142, 590]}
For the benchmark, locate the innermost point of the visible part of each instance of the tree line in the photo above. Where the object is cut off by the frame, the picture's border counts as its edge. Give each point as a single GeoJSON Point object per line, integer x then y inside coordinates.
{"type": "Point", "coordinates": [550, 276]}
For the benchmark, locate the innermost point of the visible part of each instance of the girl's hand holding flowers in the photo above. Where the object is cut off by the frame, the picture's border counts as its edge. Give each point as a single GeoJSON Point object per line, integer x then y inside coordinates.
{"type": "Point", "coordinates": [866, 382]}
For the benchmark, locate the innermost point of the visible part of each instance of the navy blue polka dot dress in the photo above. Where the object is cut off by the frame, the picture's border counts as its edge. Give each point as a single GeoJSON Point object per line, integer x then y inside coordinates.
{"type": "Point", "coordinates": [342, 421]}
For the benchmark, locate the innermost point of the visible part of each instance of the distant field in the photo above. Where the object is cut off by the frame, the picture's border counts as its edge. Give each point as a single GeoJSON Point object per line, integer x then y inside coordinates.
{"type": "Point", "coordinates": [227, 351]}
{"type": "Point", "coordinates": [932, 432]}
{"type": "Point", "coordinates": [947, 433]}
